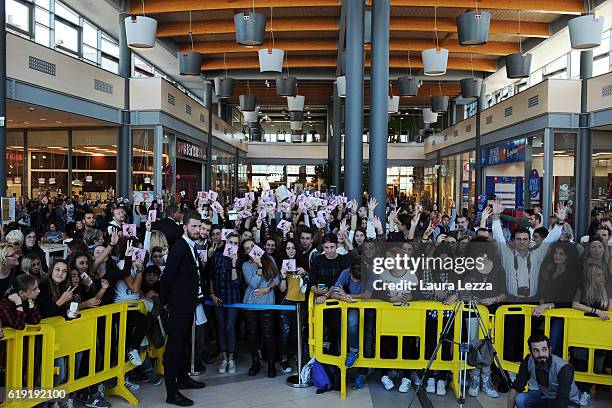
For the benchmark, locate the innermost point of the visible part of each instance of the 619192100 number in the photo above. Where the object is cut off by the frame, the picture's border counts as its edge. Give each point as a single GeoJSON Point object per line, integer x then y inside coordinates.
{"type": "Point", "coordinates": [34, 394]}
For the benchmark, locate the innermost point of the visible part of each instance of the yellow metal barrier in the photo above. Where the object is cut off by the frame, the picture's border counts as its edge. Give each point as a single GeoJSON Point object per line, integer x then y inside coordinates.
{"type": "Point", "coordinates": [581, 331]}
{"type": "Point", "coordinates": [59, 338]}
{"type": "Point", "coordinates": [390, 321]}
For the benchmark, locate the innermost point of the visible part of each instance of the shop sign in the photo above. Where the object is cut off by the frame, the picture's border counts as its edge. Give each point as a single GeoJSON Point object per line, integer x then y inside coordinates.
{"type": "Point", "coordinates": [187, 149]}
{"type": "Point", "coordinates": [504, 153]}
{"type": "Point", "coordinates": [534, 184]}
{"type": "Point", "coordinates": [564, 192]}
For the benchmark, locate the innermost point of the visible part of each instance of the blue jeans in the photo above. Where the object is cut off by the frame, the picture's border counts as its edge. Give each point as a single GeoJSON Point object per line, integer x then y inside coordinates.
{"type": "Point", "coordinates": [556, 337]}
{"type": "Point", "coordinates": [530, 399]}
{"type": "Point", "coordinates": [226, 328]}
{"type": "Point", "coordinates": [353, 330]}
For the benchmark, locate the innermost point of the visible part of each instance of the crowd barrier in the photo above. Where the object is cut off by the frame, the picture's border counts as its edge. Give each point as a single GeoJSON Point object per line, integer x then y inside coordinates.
{"type": "Point", "coordinates": [97, 337]}
{"type": "Point", "coordinates": [401, 322]}
{"type": "Point", "coordinates": [579, 330]}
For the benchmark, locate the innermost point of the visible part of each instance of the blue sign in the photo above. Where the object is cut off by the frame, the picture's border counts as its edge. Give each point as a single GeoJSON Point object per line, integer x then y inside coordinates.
{"type": "Point", "coordinates": [504, 153]}
{"type": "Point", "coordinates": [534, 184]}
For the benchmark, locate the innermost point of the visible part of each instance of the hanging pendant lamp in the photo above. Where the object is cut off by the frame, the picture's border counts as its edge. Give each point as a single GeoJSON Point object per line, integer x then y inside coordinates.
{"type": "Point", "coordinates": [586, 31]}
{"type": "Point", "coordinates": [341, 86]}
{"type": "Point", "coordinates": [251, 116]}
{"type": "Point", "coordinates": [409, 85]}
{"type": "Point", "coordinates": [471, 87]}
{"type": "Point", "coordinates": [271, 59]}
{"type": "Point", "coordinates": [473, 27]}
{"type": "Point", "coordinates": [247, 102]}
{"type": "Point", "coordinates": [190, 63]}
{"type": "Point", "coordinates": [250, 27]}
{"type": "Point", "coordinates": [296, 103]}
{"type": "Point", "coordinates": [429, 116]}
{"type": "Point", "coordinates": [140, 31]}
{"type": "Point", "coordinates": [285, 86]}
{"type": "Point", "coordinates": [439, 103]}
{"type": "Point", "coordinates": [435, 60]}
{"type": "Point", "coordinates": [518, 65]}
{"type": "Point", "coordinates": [224, 86]}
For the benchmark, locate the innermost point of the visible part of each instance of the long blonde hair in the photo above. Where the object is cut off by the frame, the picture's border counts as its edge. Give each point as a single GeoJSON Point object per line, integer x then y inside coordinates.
{"type": "Point", "coordinates": [158, 239]}
{"type": "Point", "coordinates": [5, 247]}
{"type": "Point", "coordinates": [595, 293]}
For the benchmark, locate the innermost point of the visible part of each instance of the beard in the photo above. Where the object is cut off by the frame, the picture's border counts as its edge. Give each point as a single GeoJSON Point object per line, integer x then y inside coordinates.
{"type": "Point", "coordinates": [542, 361]}
{"type": "Point", "coordinates": [194, 236]}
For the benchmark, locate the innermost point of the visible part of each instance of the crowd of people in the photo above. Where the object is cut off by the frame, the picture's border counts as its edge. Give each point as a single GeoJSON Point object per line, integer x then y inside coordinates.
{"type": "Point", "coordinates": [271, 247]}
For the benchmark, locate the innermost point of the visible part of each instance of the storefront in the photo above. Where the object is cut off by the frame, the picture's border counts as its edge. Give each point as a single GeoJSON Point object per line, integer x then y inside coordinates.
{"type": "Point", "coordinates": [190, 162]}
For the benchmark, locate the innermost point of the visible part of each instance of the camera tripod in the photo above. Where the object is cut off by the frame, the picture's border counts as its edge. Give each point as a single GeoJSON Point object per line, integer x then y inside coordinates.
{"type": "Point", "coordinates": [471, 304]}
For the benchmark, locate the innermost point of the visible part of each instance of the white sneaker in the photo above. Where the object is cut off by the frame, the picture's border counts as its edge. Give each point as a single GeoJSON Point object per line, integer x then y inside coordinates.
{"type": "Point", "coordinates": [474, 386]}
{"type": "Point", "coordinates": [387, 382]}
{"type": "Point", "coordinates": [416, 380]}
{"type": "Point", "coordinates": [130, 385]}
{"type": "Point", "coordinates": [134, 357]}
{"type": "Point", "coordinates": [223, 367]}
{"type": "Point", "coordinates": [405, 385]}
{"type": "Point", "coordinates": [487, 387]}
{"type": "Point", "coordinates": [69, 403]}
{"type": "Point", "coordinates": [512, 376]}
{"type": "Point", "coordinates": [585, 399]}
{"type": "Point", "coordinates": [441, 388]}
{"type": "Point", "coordinates": [431, 386]}
{"type": "Point", "coordinates": [231, 366]}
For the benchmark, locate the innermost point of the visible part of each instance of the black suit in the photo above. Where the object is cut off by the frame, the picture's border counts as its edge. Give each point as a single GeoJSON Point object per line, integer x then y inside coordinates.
{"type": "Point", "coordinates": [179, 290]}
{"type": "Point", "coordinates": [170, 229]}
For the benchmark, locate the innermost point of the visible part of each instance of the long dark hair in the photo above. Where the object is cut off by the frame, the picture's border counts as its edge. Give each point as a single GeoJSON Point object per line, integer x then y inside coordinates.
{"type": "Point", "coordinates": [57, 289]}
{"type": "Point", "coordinates": [270, 270]}
{"type": "Point", "coordinates": [573, 263]}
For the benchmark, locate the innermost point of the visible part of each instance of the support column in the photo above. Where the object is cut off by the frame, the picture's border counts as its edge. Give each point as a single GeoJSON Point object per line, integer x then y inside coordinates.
{"type": "Point", "coordinates": [582, 164]}
{"type": "Point", "coordinates": [124, 144]}
{"type": "Point", "coordinates": [379, 117]}
{"type": "Point", "coordinates": [452, 113]}
{"type": "Point", "coordinates": [335, 141]}
{"type": "Point", "coordinates": [208, 97]}
{"type": "Point", "coordinates": [527, 173]}
{"type": "Point", "coordinates": [236, 167]}
{"type": "Point", "coordinates": [3, 102]}
{"type": "Point", "coordinates": [69, 153]}
{"type": "Point", "coordinates": [353, 152]}
{"type": "Point", "coordinates": [547, 184]}
{"type": "Point", "coordinates": [478, 170]}
{"type": "Point", "coordinates": [27, 174]}
{"type": "Point", "coordinates": [158, 163]}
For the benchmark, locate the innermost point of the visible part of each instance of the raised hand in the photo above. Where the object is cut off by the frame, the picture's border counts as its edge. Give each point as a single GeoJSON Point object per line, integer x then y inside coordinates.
{"type": "Point", "coordinates": [114, 238]}
{"type": "Point", "coordinates": [377, 223]}
{"type": "Point", "coordinates": [372, 204]}
{"type": "Point", "coordinates": [497, 207]}
{"type": "Point", "coordinates": [561, 212]}
{"type": "Point", "coordinates": [129, 250]}
{"type": "Point", "coordinates": [66, 296]}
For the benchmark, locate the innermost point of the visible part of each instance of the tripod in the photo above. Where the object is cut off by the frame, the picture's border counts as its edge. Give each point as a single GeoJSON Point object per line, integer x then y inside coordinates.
{"type": "Point", "coordinates": [470, 303]}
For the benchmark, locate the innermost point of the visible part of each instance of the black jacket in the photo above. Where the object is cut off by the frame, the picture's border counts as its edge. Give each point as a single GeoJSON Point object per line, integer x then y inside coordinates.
{"type": "Point", "coordinates": [179, 282]}
{"type": "Point", "coordinates": [170, 229]}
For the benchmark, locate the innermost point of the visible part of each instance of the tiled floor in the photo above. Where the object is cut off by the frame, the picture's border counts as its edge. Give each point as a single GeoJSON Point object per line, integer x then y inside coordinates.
{"type": "Point", "coordinates": [241, 391]}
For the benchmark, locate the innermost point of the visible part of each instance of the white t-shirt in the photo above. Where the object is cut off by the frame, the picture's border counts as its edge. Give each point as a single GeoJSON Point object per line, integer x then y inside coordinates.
{"type": "Point", "coordinates": [123, 293]}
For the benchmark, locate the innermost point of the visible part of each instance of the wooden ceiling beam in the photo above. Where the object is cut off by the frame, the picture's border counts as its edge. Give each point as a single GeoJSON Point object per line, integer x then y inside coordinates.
{"type": "Point", "coordinates": [314, 44]}
{"type": "Point", "coordinates": [287, 24]}
{"type": "Point", "coordinates": [172, 6]}
{"type": "Point", "coordinates": [543, 6]}
{"type": "Point", "coordinates": [329, 61]}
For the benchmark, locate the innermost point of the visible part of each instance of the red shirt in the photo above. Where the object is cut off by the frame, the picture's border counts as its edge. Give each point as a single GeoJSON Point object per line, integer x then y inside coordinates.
{"type": "Point", "coordinates": [17, 319]}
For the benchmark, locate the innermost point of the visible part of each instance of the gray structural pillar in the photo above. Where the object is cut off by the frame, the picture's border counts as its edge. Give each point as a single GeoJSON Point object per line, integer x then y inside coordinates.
{"type": "Point", "coordinates": [158, 163]}
{"type": "Point", "coordinates": [379, 117]}
{"type": "Point", "coordinates": [547, 183]}
{"type": "Point", "coordinates": [208, 97]}
{"type": "Point", "coordinates": [478, 168]}
{"type": "Point", "coordinates": [335, 141]}
{"type": "Point", "coordinates": [452, 113]}
{"type": "Point", "coordinates": [3, 102]}
{"type": "Point", "coordinates": [353, 138]}
{"type": "Point", "coordinates": [69, 174]}
{"type": "Point", "coordinates": [582, 164]}
{"type": "Point", "coordinates": [124, 144]}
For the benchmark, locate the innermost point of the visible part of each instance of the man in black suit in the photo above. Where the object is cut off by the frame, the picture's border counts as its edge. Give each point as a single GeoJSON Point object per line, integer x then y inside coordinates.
{"type": "Point", "coordinates": [169, 225]}
{"type": "Point", "coordinates": [182, 287]}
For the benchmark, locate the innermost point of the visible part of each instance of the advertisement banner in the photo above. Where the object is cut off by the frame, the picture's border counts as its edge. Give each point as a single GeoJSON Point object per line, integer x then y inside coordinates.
{"type": "Point", "coordinates": [504, 153]}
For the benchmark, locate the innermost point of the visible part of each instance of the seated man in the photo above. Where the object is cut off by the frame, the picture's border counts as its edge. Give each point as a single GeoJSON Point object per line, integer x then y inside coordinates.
{"type": "Point", "coordinates": [554, 377]}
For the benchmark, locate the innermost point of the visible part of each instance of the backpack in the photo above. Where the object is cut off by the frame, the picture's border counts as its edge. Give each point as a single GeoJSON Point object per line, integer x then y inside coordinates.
{"type": "Point", "coordinates": [306, 373]}
{"type": "Point", "coordinates": [325, 377]}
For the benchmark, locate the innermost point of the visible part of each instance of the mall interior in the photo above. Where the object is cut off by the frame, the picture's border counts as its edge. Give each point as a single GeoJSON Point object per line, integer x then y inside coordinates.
{"type": "Point", "coordinates": [349, 97]}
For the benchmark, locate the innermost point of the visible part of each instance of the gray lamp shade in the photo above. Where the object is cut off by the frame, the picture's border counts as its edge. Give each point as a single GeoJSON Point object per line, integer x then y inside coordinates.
{"type": "Point", "coordinates": [393, 104]}
{"type": "Point", "coordinates": [296, 103]}
{"type": "Point", "coordinates": [341, 86]}
{"type": "Point", "coordinates": [473, 27]}
{"type": "Point", "coordinates": [248, 103]}
{"type": "Point", "coordinates": [251, 116]}
{"type": "Point", "coordinates": [271, 60]}
{"type": "Point", "coordinates": [296, 116]}
{"type": "Point", "coordinates": [285, 86]}
{"type": "Point", "coordinates": [518, 65]}
{"type": "Point", "coordinates": [435, 61]}
{"type": "Point", "coordinates": [429, 116]}
{"type": "Point", "coordinates": [250, 28]}
{"type": "Point", "coordinates": [190, 63]}
{"type": "Point", "coordinates": [367, 26]}
{"type": "Point", "coordinates": [409, 86]}
{"type": "Point", "coordinates": [585, 31]}
{"type": "Point", "coordinates": [140, 32]}
{"type": "Point", "coordinates": [439, 103]}
{"type": "Point", "coordinates": [224, 87]}
{"type": "Point", "coordinates": [470, 87]}
{"type": "Point", "coordinates": [296, 124]}
{"type": "Point", "coordinates": [255, 132]}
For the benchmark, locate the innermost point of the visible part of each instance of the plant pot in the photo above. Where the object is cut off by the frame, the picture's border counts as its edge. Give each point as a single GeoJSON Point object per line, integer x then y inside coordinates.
{"type": "Point", "coordinates": [409, 86]}
{"type": "Point", "coordinates": [271, 60]}
{"type": "Point", "coordinates": [341, 86]}
{"type": "Point", "coordinates": [250, 28]}
{"type": "Point", "coordinates": [190, 63]}
{"type": "Point", "coordinates": [435, 61]}
{"type": "Point", "coordinates": [295, 103]}
{"type": "Point", "coordinates": [473, 28]}
{"type": "Point", "coordinates": [140, 32]}
{"type": "Point", "coordinates": [224, 87]}
{"type": "Point", "coordinates": [367, 26]}
{"type": "Point", "coordinates": [393, 104]}
{"type": "Point", "coordinates": [586, 31]}
{"type": "Point", "coordinates": [439, 103]}
{"type": "Point", "coordinates": [429, 116]}
{"type": "Point", "coordinates": [285, 86]}
{"type": "Point", "coordinates": [518, 65]}
{"type": "Point", "coordinates": [470, 87]}
{"type": "Point", "coordinates": [296, 116]}
{"type": "Point", "coordinates": [296, 124]}
{"type": "Point", "coordinates": [248, 103]}
{"type": "Point", "coordinates": [251, 116]}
